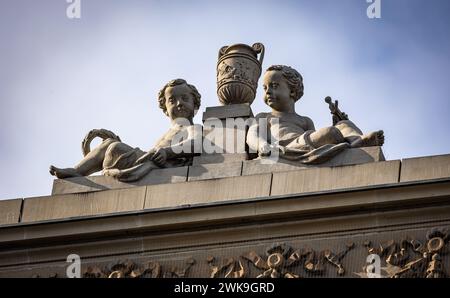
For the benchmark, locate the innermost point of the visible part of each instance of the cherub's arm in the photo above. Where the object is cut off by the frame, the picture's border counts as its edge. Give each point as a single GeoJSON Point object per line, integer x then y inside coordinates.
{"type": "Point", "coordinates": [309, 124]}
{"type": "Point", "coordinates": [255, 141]}
{"type": "Point", "coordinates": [146, 157]}
{"type": "Point", "coordinates": [187, 145]}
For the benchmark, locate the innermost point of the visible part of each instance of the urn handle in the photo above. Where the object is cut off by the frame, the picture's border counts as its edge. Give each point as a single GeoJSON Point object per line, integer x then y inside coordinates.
{"type": "Point", "coordinates": [259, 49]}
{"type": "Point", "coordinates": [222, 51]}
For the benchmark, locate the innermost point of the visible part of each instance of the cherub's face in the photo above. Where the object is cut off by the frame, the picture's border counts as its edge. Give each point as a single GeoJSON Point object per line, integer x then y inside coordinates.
{"type": "Point", "coordinates": [277, 93]}
{"type": "Point", "coordinates": [179, 102]}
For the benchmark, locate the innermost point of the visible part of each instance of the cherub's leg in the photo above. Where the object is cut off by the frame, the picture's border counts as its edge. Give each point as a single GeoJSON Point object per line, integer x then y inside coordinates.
{"type": "Point", "coordinates": [91, 163]}
{"type": "Point", "coordinates": [354, 136]}
{"type": "Point", "coordinates": [326, 135]}
{"type": "Point", "coordinates": [133, 173]}
{"type": "Point", "coordinates": [112, 154]}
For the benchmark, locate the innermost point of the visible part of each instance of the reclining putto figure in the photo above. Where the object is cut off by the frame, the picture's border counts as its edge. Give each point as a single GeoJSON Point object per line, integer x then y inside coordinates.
{"type": "Point", "coordinates": [179, 101]}
{"type": "Point", "coordinates": [293, 136]}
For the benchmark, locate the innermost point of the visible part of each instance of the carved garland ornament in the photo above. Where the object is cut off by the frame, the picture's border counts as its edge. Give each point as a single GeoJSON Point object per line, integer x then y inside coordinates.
{"type": "Point", "coordinates": [281, 262]}
{"type": "Point", "coordinates": [411, 258]}
{"type": "Point", "coordinates": [408, 257]}
{"type": "Point", "coordinates": [129, 269]}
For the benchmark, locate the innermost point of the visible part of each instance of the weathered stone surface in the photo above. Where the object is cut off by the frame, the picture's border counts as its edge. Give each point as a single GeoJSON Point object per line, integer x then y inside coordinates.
{"type": "Point", "coordinates": [10, 211]}
{"type": "Point", "coordinates": [318, 222]}
{"type": "Point", "coordinates": [219, 158]}
{"type": "Point", "coordinates": [351, 156]}
{"type": "Point", "coordinates": [255, 166]}
{"type": "Point", "coordinates": [85, 204]}
{"type": "Point", "coordinates": [96, 183]}
{"type": "Point", "coordinates": [357, 156]}
{"type": "Point", "coordinates": [168, 175]}
{"type": "Point", "coordinates": [208, 191]}
{"type": "Point", "coordinates": [224, 136]}
{"type": "Point", "coordinates": [423, 168]}
{"type": "Point", "coordinates": [211, 171]}
{"type": "Point", "coordinates": [323, 179]}
{"type": "Point", "coordinates": [229, 111]}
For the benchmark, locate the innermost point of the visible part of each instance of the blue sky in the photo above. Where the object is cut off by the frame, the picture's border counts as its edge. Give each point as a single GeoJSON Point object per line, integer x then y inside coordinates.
{"type": "Point", "coordinates": [59, 77]}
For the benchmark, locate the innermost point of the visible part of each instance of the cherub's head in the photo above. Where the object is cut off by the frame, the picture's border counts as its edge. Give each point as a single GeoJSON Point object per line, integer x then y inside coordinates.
{"type": "Point", "coordinates": [283, 86]}
{"type": "Point", "coordinates": [178, 99]}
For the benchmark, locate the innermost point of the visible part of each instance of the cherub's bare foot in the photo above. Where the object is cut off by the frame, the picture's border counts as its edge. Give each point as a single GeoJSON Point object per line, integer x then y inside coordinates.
{"type": "Point", "coordinates": [375, 138]}
{"type": "Point", "coordinates": [63, 173]}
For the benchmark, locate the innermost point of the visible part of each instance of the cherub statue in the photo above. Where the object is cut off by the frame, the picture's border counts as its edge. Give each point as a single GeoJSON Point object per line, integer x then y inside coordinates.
{"type": "Point", "coordinates": [294, 136]}
{"type": "Point", "coordinates": [179, 101]}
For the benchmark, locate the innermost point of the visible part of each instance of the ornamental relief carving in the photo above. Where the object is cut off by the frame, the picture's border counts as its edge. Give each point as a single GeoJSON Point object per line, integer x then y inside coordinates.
{"type": "Point", "coordinates": [281, 261]}
{"type": "Point", "coordinates": [409, 257]}
{"type": "Point", "coordinates": [130, 269]}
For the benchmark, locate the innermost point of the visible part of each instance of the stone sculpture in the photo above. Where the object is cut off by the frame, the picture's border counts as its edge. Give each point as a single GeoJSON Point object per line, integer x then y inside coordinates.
{"type": "Point", "coordinates": [293, 136]}
{"type": "Point", "coordinates": [286, 133]}
{"type": "Point", "coordinates": [179, 101]}
{"type": "Point", "coordinates": [238, 71]}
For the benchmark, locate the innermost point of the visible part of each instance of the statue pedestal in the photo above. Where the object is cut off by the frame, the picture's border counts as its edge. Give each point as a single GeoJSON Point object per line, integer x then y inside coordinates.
{"type": "Point", "coordinates": [224, 132]}
{"type": "Point", "coordinates": [213, 166]}
{"type": "Point", "coordinates": [352, 156]}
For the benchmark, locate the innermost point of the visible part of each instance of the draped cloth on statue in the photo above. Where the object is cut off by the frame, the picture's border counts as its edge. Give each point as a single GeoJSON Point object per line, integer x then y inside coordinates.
{"type": "Point", "coordinates": [129, 159]}
{"type": "Point", "coordinates": [125, 160]}
{"type": "Point", "coordinates": [314, 156]}
{"type": "Point", "coordinates": [293, 138]}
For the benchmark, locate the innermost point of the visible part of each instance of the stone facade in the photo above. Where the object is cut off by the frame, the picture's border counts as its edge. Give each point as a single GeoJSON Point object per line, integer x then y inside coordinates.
{"type": "Point", "coordinates": [296, 223]}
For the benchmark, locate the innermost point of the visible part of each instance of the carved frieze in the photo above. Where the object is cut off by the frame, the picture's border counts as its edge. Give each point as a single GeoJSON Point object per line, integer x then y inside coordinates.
{"type": "Point", "coordinates": [281, 261]}
{"type": "Point", "coordinates": [409, 257]}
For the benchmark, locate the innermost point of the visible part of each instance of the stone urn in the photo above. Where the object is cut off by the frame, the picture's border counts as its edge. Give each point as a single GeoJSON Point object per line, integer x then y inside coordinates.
{"type": "Point", "coordinates": [238, 71]}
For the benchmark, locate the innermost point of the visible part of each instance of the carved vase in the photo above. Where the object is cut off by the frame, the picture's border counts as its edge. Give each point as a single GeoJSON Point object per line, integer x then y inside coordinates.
{"type": "Point", "coordinates": [238, 71]}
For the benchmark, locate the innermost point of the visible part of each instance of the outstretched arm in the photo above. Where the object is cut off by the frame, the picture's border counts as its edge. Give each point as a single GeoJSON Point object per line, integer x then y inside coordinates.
{"type": "Point", "coordinates": [255, 141]}
{"type": "Point", "coordinates": [181, 146]}
{"type": "Point", "coordinates": [146, 157]}
{"type": "Point", "coordinates": [187, 146]}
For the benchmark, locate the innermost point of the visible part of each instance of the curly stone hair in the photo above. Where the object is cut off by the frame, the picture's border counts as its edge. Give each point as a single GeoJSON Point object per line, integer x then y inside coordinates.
{"type": "Point", "coordinates": [294, 79]}
{"type": "Point", "coordinates": [177, 82]}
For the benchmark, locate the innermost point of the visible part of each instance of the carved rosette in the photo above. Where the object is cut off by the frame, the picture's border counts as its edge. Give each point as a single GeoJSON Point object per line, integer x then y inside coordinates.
{"type": "Point", "coordinates": [238, 71]}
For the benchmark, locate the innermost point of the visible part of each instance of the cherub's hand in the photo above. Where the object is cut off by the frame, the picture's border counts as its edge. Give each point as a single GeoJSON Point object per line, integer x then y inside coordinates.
{"type": "Point", "coordinates": [281, 149]}
{"type": "Point", "coordinates": [264, 149]}
{"type": "Point", "coordinates": [146, 157]}
{"type": "Point", "coordinates": [116, 173]}
{"type": "Point", "coordinates": [159, 157]}
{"type": "Point", "coordinates": [267, 149]}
